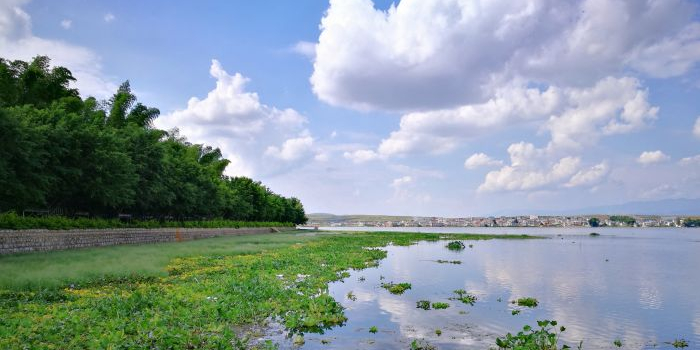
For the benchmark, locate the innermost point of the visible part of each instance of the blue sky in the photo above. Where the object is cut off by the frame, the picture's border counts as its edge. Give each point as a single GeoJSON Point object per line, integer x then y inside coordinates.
{"type": "Point", "coordinates": [438, 107]}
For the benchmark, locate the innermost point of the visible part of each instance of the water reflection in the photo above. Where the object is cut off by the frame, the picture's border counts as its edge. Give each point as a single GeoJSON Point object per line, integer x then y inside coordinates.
{"type": "Point", "coordinates": [639, 289]}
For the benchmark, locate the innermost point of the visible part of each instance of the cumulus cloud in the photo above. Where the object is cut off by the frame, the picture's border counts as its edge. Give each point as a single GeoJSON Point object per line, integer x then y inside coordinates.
{"type": "Point", "coordinates": [588, 177]}
{"type": "Point", "coordinates": [361, 156]}
{"type": "Point", "coordinates": [66, 23]}
{"type": "Point", "coordinates": [651, 157]}
{"type": "Point", "coordinates": [108, 17]}
{"type": "Point", "coordinates": [18, 42]}
{"type": "Point", "coordinates": [694, 160]}
{"type": "Point", "coordinates": [478, 160]}
{"type": "Point", "coordinates": [425, 55]}
{"type": "Point", "coordinates": [258, 139]}
{"type": "Point", "coordinates": [696, 128]}
{"type": "Point", "coordinates": [574, 117]}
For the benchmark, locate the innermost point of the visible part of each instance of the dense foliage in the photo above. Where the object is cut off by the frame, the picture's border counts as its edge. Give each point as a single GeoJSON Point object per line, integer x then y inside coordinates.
{"type": "Point", "coordinates": [627, 220]}
{"type": "Point", "coordinates": [12, 221]}
{"type": "Point", "coordinates": [102, 158]}
{"type": "Point", "coordinates": [691, 222]}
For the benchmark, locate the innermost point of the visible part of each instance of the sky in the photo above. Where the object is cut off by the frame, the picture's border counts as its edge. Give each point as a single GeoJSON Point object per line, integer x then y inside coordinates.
{"type": "Point", "coordinates": [415, 107]}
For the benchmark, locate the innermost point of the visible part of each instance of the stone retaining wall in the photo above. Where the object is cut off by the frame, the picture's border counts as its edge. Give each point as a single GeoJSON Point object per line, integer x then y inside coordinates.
{"type": "Point", "coordinates": [23, 241]}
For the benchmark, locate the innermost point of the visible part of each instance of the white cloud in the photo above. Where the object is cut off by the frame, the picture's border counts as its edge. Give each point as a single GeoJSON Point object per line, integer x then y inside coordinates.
{"type": "Point", "coordinates": [66, 23]}
{"type": "Point", "coordinates": [528, 177]}
{"type": "Point", "coordinates": [423, 55]}
{"type": "Point", "coordinates": [18, 42]}
{"type": "Point", "coordinates": [305, 48]}
{"type": "Point", "coordinates": [292, 149]}
{"type": "Point", "coordinates": [248, 132]}
{"type": "Point", "coordinates": [108, 17]}
{"type": "Point", "coordinates": [696, 128]}
{"type": "Point", "coordinates": [650, 157]}
{"type": "Point", "coordinates": [588, 177]}
{"type": "Point", "coordinates": [478, 160]}
{"type": "Point", "coordinates": [361, 156]}
{"type": "Point", "coordinates": [401, 181]}
{"type": "Point", "coordinates": [574, 117]}
{"type": "Point", "coordinates": [694, 160]}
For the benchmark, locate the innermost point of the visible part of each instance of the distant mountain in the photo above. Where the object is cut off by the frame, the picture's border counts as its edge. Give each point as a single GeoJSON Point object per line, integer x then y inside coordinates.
{"type": "Point", "coordinates": [680, 206]}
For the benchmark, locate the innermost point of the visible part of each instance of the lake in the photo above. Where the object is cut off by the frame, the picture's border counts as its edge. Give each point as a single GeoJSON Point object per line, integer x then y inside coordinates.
{"type": "Point", "coordinates": [638, 285]}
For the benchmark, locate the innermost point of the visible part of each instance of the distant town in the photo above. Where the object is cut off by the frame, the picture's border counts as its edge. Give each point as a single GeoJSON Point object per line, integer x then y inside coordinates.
{"type": "Point", "coordinates": [504, 221]}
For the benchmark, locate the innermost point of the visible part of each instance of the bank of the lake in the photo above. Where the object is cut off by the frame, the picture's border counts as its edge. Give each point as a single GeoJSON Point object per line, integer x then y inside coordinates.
{"type": "Point", "coordinates": [208, 299]}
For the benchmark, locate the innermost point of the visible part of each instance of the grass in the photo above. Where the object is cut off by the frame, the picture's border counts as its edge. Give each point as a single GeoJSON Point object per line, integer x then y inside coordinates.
{"type": "Point", "coordinates": [60, 268]}
{"type": "Point", "coordinates": [206, 300]}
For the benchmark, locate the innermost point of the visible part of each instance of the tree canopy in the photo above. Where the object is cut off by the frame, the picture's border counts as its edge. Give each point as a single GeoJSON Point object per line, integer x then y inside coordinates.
{"type": "Point", "coordinates": [103, 158]}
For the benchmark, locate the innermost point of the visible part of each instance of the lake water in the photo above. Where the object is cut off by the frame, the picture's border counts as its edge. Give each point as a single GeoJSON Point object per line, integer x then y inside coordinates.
{"type": "Point", "coordinates": [638, 285]}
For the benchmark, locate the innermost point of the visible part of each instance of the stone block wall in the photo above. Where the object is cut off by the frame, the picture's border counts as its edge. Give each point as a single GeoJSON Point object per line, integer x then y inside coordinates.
{"type": "Point", "coordinates": [23, 241]}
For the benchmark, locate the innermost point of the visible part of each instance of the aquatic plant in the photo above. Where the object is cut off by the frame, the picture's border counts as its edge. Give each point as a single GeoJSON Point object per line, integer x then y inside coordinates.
{"type": "Point", "coordinates": [527, 302]}
{"type": "Point", "coordinates": [515, 312]}
{"type": "Point", "coordinates": [594, 234]}
{"type": "Point", "coordinates": [679, 343]}
{"type": "Point", "coordinates": [455, 245]}
{"type": "Point", "coordinates": [464, 297]}
{"type": "Point", "coordinates": [438, 332]}
{"type": "Point", "coordinates": [421, 344]}
{"type": "Point", "coordinates": [396, 288]}
{"type": "Point", "coordinates": [617, 342]}
{"type": "Point", "coordinates": [471, 246]}
{"type": "Point", "coordinates": [423, 304]}
{"type": "Point", "coordinates": [544, 338]}
{"type": "Point", "coordinates": [351, 296]}
{"type": "Point", "coordinates": [373, 329]}
{"type": "Point", "coordinates": [438, 305]}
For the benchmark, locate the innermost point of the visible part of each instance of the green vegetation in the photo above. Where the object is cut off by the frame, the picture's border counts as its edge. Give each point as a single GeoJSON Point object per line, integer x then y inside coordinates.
{"type": "Point", "coordinates": [691, 222]}
{"type": "Point", "coordinates": [83, 157]}
{"type": "Point", "coordinates": [201, 300]}
{"type": "Point", "coordinates": [12, 221]}
{"type": "Point", "coordinates": [464, 297]}
{"type": "Point", "coordinates": [373, 329]}
{"type": "Point", "coordinates": [527, 302]}
{"type": "Point", "coordinates": [627, 220]}
{"type": "Point", "coordinates": [618, 343]}
{"type": "Point", "coordinates": [594, 222]}
{"type": "Point", "coordinates": [515, 312]}
{"type": "Point", "coordinates": [455, 245]}
{"type": "Point", "coordinates": [423, 304]}
{"type": "Point", "coordinates": [544, 338]}
{"type": "Point", "coordinates": [351, 296]}
{"type": "Point", "coordinates": [438, 305]}
{"type": "Point", "coordinates": [421, 344]}
{"type": "Point", "coordinates": [438, 332]}
{"type": "Point", "coordinates": [594, 234]}
{"type": "Point", "coordinates": [396, 288]}
{"type": "Point", "coordinates": [679, 343]}
{"type": "Point", "coordinates": [35, 271]}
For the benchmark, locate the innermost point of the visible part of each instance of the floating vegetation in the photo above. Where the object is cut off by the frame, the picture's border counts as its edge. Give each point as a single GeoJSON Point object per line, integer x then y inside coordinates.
{"type": "Point", "coordinates": [351, 296]}
{"type": "Point", "coordinates": [527, 302]}
{"type": "Point", "coordinates": [298, 340]}
{"type": "Point", "coordinates": [464, 297]}
{"type": "Point", "coordinates": [438, 332]}
{"type": "Point", "coordinates": [471, 246]}
{"type": "Point", "coordinates": [423, 304]}
{"type": "Point", "coordinates": [679, 343]}
{"type": "Point", "coordinates": [617, 342]}
{"type": "Point", "coordinates": [373, 329]}
{"type": "Point", "coordinates": [456, 262]}
{"type": "Point", "coordinates": [396, 288]}
{"type": "Point", "coordinates": [515, 312]}
{"type": "Point", "coordinates": [594, 234]}
{"type": "Point", "coordinates": [361, 279]}
{"type": "Point", "coordinates": [544, 338]}
{"type": "Point", "coordinates": [421, 344]}
{"type": "Point", "coordinates": [455, 245]}
{"type": "Point", "coordinates": [438, 305]}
